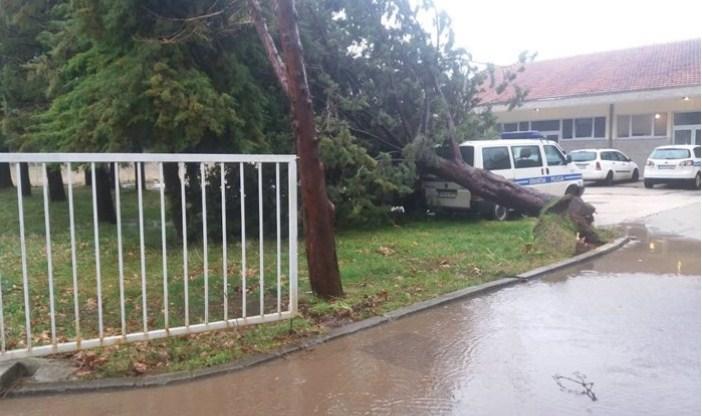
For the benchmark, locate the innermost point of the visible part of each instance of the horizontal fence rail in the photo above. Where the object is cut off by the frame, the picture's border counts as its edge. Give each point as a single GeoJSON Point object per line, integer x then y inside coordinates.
{"type": "Point", "coordinates": [143, 246]}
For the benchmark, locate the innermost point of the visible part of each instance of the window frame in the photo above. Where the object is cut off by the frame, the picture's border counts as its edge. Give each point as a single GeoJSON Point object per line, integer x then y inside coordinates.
{"type": "Point", "coordinates": [514, 156]}
{"type": "Point", "coordinates": [562, 159]}
{"type": "Point", "coordinates": [652, 130]}
{"type": "Point", "coordinates": [593, 129]}
{"type": "Point", "coordinates": [509, 156]}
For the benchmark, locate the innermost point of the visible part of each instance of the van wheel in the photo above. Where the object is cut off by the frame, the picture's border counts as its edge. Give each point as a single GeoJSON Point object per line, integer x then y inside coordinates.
{"type": "Point", "coordinates": [648, 184]}
{"type": "Point", "coordinates": [500, 213]}
{"type": "Point", "coordinates": [609, 180]}
{"type": "Point", "coordinates": [635, 176]}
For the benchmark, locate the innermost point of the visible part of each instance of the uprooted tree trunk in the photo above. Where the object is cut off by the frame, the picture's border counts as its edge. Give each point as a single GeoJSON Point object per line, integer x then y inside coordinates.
{"type": "Point", "coordinates": [578, 214]}
{"type": "Point", "coordinates": [5, 176]}
{"type": "Point", "coordinates": [317, 209]}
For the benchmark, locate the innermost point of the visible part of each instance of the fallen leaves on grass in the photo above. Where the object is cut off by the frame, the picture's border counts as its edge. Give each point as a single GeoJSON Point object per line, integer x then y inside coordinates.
{"type": "Point", "coordinates": [385, 251]}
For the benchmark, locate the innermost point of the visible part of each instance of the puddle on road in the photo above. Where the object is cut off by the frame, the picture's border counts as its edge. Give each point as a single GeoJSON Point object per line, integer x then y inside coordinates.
{"type": "Point", "coordinates": [629, 323]}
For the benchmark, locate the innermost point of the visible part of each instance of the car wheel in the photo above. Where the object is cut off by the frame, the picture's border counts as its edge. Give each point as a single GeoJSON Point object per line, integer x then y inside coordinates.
{"type": "Point", "coordinates": [500, 213]}
{"type": "Point", "coordinates": [635, 176]}
{"type": "Point", "coordinates": [648, 184]}
{"type": "Point", "coordinates": [696, 182]}
{"type": "Point", "coordinates": [609, 180]}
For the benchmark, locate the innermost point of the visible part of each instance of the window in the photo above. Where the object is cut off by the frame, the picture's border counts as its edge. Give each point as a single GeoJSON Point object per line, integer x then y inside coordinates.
{"type": "Point", "coordinates": [670, 153]}
{"type": "Point", "coordinates": [621, 157]}
{"type": "Point", "coordinates": [568, 129]}
{"type": "Point", "coordinates": [583, 127]}
{"type": "Point", "coordinates": [510, 127]}
{"type": "Point", "coordinates": [523, 125]}
{"type": "Point", "coordinates": [467, 152]}
{"type": "Point", "coordinates": [583, 156]}
{"type": "Point", "coordinates": [697, 152]}
{"type": "Point", "coordinates": [554, 157]}
{"type": "Point", "coordinates": [683, 119]}
{"type": "Point", "coordinates": [496, 158]}
{"type": "Point", "coordinates": [608, 156]}
{"type": "Point", "coordinates": [526, 157]}
{"type": "Point", "coordinates": [546, 125]}
{"type": "Point", "coordinates": [660, 124]}
{"type": "Point", "coordinates": [642, 125]}
{"type": "Point", "coordinates": [623, 124]}
{"type": "Point", "coordinates": [599, 127]}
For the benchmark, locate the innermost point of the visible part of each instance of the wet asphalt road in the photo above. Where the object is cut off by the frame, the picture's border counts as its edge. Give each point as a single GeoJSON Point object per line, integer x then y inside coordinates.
{"type": "Point", "coordinates": [628, 322]}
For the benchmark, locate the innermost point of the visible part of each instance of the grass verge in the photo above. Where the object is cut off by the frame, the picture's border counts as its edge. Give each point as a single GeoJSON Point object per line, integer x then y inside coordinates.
{"type": "Point", "coordinates": [383, 269]}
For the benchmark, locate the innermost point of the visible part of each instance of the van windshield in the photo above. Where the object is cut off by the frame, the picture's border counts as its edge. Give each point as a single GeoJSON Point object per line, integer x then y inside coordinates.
{"type": "Point", "coordinates": [583, 156]}
{"type": "Point", "coordinates": [670, 153]}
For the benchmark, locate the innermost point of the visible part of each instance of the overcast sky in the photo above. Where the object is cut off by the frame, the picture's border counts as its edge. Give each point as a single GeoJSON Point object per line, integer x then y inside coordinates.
{"type": "Point", "coordinates": [497, 31]}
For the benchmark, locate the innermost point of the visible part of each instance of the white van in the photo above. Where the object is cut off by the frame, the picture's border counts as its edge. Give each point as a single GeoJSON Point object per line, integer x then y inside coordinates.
{"type": "Point", "coordinates": [528, 162]}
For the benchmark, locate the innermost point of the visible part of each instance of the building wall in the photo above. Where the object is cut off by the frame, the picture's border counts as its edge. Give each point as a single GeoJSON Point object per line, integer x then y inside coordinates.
{"type": "Point", "coordinates": [637, 148]}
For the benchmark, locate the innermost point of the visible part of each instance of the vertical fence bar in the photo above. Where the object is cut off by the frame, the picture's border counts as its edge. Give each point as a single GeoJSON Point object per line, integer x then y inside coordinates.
{"type": "Point", "coordinates": [98, 277]}
{"type": "Point", "coordinates": [184, 236]}
{"type": "Point", "coordinates": [2, 320]}
{"type": "Point", "coordinates": [203, 185]}
{"type": "Point", "coordinates": [242, 196]}
{"type": "Point", "coordinates": [120, 253]}
{"type": "Point", "coordinates": [49, 257]}
{"type": "Point", "coordinates": [163, 246]}
{"type": "Point", "coordinates": [260, 237]}
{"type": "Point", "coordinates": [223, 182]}
{"type": "Point", "coordinates": [277, 235]}
{"type": "Point", "coordinates": [140, 197]}
{"type": "Point", "coordinates": [292, 234]}
{"type": "Point", "coordinates": [74, 262]}
{"type": "Point", "coordinates": [23, 251]}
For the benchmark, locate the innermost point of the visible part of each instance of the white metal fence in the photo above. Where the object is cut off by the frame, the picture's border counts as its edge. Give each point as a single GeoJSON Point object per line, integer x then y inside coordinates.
{"type": "Point", "coordinates": [90, 284]}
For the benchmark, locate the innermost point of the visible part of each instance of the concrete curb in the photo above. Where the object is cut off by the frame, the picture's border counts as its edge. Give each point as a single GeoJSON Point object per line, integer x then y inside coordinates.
{"type": "Point", "coordinates": [31, 389]}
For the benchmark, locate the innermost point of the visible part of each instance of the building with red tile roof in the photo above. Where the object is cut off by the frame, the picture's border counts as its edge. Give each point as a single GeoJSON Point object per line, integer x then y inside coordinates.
{"type": "Point", "coordinates": [632, 99]}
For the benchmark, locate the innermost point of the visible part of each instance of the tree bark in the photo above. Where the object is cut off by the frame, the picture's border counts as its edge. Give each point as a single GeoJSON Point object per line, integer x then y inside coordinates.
{"type": "Point", "coordinates": [317, 209]}
{"type": "Point", "coordinates": [5, 176]}
{"type": "Point", "coordinates": [105, 204]}
{"type": "Point", "coordinates": [172, 184]}
{"type": "Point", "coordinates": [24, 177]}
{"type": "Point", "coordinates": [56, 191]}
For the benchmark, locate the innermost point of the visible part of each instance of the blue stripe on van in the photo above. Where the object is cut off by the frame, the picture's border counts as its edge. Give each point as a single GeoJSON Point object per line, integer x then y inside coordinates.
{"type": "Point", "coordinates": [538, 180]}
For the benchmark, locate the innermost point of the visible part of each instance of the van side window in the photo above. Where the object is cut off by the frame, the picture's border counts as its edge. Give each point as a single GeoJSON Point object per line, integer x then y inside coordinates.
{"type": "Point", "coordinates": [554, 157]}
{"type": "Point", "coordinates": [467, 153]}
{"type": "Point", "coordinates": [526, 157]}
{"type": "Point", "coordinates": [496, 158]}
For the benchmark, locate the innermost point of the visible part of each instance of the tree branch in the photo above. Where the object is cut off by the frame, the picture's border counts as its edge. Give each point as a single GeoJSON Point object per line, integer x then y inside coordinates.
{"type": "Point", "coordinates": [264, 34]}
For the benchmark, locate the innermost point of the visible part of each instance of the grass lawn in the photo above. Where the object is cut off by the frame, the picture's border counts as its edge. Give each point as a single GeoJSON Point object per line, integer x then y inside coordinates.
{"type": "Point", "coordinates": [382, 268]}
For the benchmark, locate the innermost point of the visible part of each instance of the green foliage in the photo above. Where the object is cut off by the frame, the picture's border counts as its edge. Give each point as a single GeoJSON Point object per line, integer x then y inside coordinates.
{"type": "Point", "coordinates": [361, 187]}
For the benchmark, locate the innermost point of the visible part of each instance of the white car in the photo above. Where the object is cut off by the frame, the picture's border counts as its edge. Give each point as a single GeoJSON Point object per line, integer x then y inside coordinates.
{"type": "Point", "coordinates": [605, 165]}
{"type": "Point", "coordinates": [673, 164]}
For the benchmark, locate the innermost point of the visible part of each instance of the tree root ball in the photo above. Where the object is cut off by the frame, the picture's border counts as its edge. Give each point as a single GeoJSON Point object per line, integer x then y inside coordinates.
{"type": "Point", "coordinates": [565, 226]}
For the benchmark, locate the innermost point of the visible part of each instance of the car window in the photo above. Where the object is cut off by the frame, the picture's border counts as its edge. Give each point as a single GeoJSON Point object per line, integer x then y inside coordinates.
{"type": "Point", "coordinates": [697, 151]}
{"type": "Point", "coordinates": [621, 157]}
{"type": "Point", "coordinates": [554, 157]}
{"type": "Point", "coordinates": [608, 156]}
{"type": "Point", "coordinates": [495, 158]}
{"type": "Point", "coordinates": [670, 153]}
{"type": "Point", "coordinates": [526, 157]}
{"type": "Point", "coordinates": [583, 156]}
{"type": "Point", "coordinates": [467, 153]}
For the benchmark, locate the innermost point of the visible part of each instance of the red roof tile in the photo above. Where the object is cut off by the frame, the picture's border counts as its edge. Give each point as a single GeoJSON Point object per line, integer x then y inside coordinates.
{"type": "Point", "coordinates": [667, 65]}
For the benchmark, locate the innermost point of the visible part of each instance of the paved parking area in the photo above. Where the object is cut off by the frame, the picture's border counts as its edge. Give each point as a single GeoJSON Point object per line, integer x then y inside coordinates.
{"type": "Point", "coordinates": [630, 202]}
